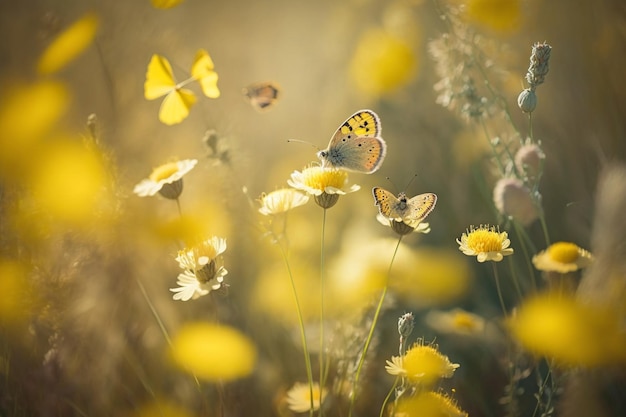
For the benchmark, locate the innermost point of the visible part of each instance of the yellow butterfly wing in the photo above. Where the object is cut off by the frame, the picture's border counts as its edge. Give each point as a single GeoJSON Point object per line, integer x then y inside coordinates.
{"type": "Point", "coordinates": [175, 106]}
{"type": "Point", "coordinates": [202, 70]}
{"type": "Point", "coordinates": [159, 78]}
{"type": "Point", "coordinates": [362, 123]}
{"type": "Point", "coordinates": [385, 201]}
{"type": "Point", "coordinates": [420, 206]}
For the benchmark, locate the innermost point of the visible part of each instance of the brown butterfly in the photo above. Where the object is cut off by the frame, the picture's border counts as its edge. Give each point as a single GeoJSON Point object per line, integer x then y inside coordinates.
{"type": "Point", "coordinates": [262, 96]}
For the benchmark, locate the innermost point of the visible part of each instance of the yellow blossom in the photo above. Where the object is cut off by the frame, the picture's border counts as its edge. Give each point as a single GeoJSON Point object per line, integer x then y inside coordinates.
{"type": "Point", "coordinates": [213, 352]}
{"type": "Point", "coordinates": [299, 397]}
{"type": "Point", "coordinates": [571, 333]}
{"type": "Point", "coordinates": [562, 257]}
{"type": "Point", "coordinates": [282, 200]}
{"type": "Point", "coordinates": [166, 179]}
{"type": "Point", "coordinates": [486, 243]}
{"type": "Point", "coordinates": [428, 404]}
{"type": "Point", "coordinates": [456, 321]}
{"type": "Point", "coordinates": [325, 184]}
{"type": "Point", "coordinates": [422, 365]}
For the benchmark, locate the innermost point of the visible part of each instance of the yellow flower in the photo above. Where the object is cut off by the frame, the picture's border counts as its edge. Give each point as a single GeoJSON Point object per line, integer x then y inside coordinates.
{"type": "Point", "coordinates": [457, 321]}
{"type": "Point", "coordinates": [569, 332]}
{"type": "Point", "coordinates": [299, 397]}
{"type": "Point", "coordinates": [429, 404]}
{"type": "Point", "coordinates": [166, 179]}
{"type": "Point", "coordinates": [325, 184]}
{"type": "Point", "coordinates": [213, 352]}
{"type": "Point", "coordinates": [203, 269]}
{"type": "Point", "coordinates": [68, 45]}
{"type": "Point", "coordinates": [282, 200]}
{"type": "Point", "coordinates": [382, 63]}
{"type": "Point", "coordinates": [421, 365]}
{"type": "Point", "coordinates": [562, 257]}
{"type": "Point", "coordinates": [486, 243]}
{"type": "Point", "coordinates": [499, 15]}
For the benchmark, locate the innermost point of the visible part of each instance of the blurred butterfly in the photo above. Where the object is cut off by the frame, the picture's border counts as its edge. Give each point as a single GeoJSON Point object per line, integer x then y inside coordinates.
{"type": "Point", "coordinates": [356, 145]}
{"type": "Point", "coordinates": [262, 96]}
{"type": "Point", "coordinates": [404, 209]}
{"type": "Point", "coordinates": [217, 148]}
{"type": "Point", "coordinates": [160, 82]}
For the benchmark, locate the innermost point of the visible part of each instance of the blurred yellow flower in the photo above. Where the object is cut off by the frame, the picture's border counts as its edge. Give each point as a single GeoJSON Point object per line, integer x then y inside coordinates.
{"type": "Point", "coordinates": [213, 352]}
{"type": "Point", "coordinates": [161, 408]}
{"type": "Point", "coordinates": [13, 287]}
{"type": "Point", "coordinates": [571, 333]}
{"type": "Point", "coordinates": [486, 243]}
{"type": "Point", "coordinates": [299, 397]}
{"type": "Point", "coordinates": [68, 45]}
{"type": "Point", "coordinates": [282, 200]}
{"type": "Point", "coordinates": [27, 113]}
{"type": "Point", "coordinates": [422, 365]}
{"type": "Point", "coordinates": [203, 269]}
{"type": "Point", "coordinates": [166, 179]}
{"type": "Point", "coordinates": [165, 4]}
{"type": "Point", "coordinates": [429, 277]}
{"type": "Point", "coordinates": [562, 257]}
{"type": "Point", "coordinates": [382, 63]}
{"type": "Point", "coordinates": [428, 404]}
{"type": "Point", "coordinates": [456, 321]}
{"type": "Point", "coordinates": [69, 182]}
{"type": "Point", "coordinates": [325, 184]}
{"type": "Point", "coordinates": [502, 16]}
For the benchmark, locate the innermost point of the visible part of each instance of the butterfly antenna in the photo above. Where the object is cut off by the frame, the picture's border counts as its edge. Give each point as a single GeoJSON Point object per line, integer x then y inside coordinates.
{"type": "Point", "coordinates": [302, 141]}
{"type": "Point", "coordinates": [395, 187]}
{"type": "Point", "coordinates": [411, 181]}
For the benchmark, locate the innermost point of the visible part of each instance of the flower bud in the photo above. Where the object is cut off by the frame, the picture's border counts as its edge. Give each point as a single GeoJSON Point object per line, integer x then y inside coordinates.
{"type": "Point", "coordinates": [513, 199]}
{"type": "Point", "coordinates": [527, 100]}
{"type": "Point", "coordinates": [405, 324]}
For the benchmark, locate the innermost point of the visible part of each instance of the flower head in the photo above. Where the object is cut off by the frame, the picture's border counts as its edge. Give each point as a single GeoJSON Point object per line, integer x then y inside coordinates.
{"type": "Point", "coordinates": [429, 404]}
{"type": "Point", "coordinates": [325, 184]}
{"type": "Point", "coordinates": [513, 199]}
{"type": "Point", "coordinates": [422, 365]}
{"type": "Point", "coordinates": [562, 257]}
{"type": "Point", "coordinates": [203, 269]}
{"type": "Point", "coordinates": [529, 159]}
{"type": "Point", "coordinates": [404, 227]}
{"type": "Point", "coordinates": [166, 179]}
{"type": "Point", "coordinates": [282, 200]}
{"type": "Point", "coordinates": [486, 243]}
{"type": "Point", "coordinates": [299, 397]}
{"type": "Point", "coordinates": [457, 321]}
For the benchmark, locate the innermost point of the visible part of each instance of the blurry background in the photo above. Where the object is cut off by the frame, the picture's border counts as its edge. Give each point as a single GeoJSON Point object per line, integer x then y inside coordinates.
{"type": "Point", "coordinates": [330, 59]}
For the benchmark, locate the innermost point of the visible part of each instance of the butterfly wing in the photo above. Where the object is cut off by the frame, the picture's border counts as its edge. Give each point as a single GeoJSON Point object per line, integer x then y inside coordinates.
{"type": "Point", "coordinates": [387, 202]}
{"type": "Point", "coordinates": [159, 78]}
{"type": "Point", "coordinates": [356, 145]}
{"type": "Point", "coordinates": [202, 70]}
{"type": "Point", "coordinates": [420, 206]}
{"type": "Point", "coordinates": [175, 106]}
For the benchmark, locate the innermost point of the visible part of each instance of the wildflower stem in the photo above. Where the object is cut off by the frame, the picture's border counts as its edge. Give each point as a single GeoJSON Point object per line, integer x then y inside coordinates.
{"type": "Point", "coordinates": [499, 289]}
{"type": "Point", "coordinates": [523, 237]}
{"type": "Point", "coordinates": [180, 211]}
{"type": "Point", "coordinates": [307, 357]}
{"type": "Point", "coordinates": [371, 332]}
{"type": "Point", "coordinates": [321, 354]}
{"type": "Point", "coordinates": [391, 391]}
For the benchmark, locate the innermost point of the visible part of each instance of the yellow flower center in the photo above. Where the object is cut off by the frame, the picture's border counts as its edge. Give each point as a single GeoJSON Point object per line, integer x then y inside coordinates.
{"type": "Point", "coordinates": [164, 171]}
{"type": "Point", "coordinates": [464, 321]}
{"type": "Point", "coordinates": [484, 240]}
{"type": "Point", "coordinates": [319, 178]}
{"type": "Point", "coordinates": [563, 252]}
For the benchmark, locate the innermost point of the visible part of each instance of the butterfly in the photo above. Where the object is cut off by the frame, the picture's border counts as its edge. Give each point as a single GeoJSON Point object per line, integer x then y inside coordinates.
{"type": "Point", "coordinates": [404, 209]}
{"type": "Point", "coordinates": [178, 101]}
{"type": "Point", "coordinates": [262, 96]}
{"type": "Point", "coordinates": [356, 145]}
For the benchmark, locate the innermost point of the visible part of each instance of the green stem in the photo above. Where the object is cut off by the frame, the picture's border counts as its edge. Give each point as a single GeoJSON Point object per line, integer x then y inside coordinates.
{"type": "Point", "coordinates": [393, 388]}
{"type": "Point", "coordinates": [371, 332]}
{"type": "Point", "coordinates": [321, 353]}
{"type": "Point", "coordinates": [497, 277]}
{"type": "Point", "coordinates": [307, 357]}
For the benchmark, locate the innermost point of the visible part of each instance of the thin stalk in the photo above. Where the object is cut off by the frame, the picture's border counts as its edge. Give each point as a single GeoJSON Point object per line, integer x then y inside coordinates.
{"type": "Point", "coordinates": [371, 332]}
{"type": "Point", "coordinates": [497, 277]}
{"type": "Point", "coordinates": [322, 290]}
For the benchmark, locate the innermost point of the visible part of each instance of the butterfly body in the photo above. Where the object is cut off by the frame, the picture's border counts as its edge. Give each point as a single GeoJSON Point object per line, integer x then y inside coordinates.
{"type": "Point", "coordinates": [356, 145]}
{"type": "Point", "coordinates": [401, 208]}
